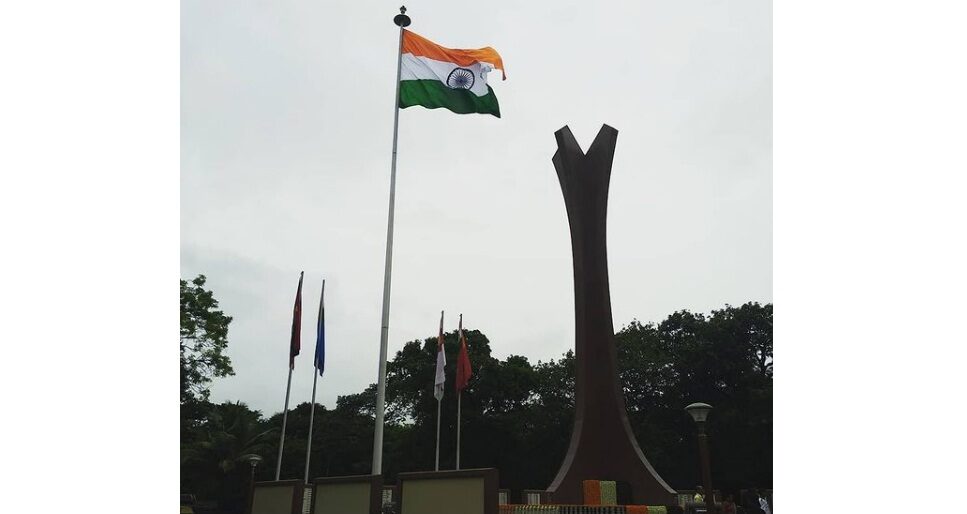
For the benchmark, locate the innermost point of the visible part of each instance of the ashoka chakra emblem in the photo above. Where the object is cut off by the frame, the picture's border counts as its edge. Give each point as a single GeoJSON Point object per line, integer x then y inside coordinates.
{"type": "Point", "coordinates": [460, 78]}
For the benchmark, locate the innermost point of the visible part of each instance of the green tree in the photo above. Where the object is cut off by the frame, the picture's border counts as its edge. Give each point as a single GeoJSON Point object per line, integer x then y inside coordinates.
{"type": "Point", "coordinates": [214, 462]}
{"type": "Point", "coordinates": [724, 359]}
{"type": "Point", "coordinates": [204, 337]}
{"type": "Point", "coordinates": [342, 442]}
{"type": "Point", "coordinates": [518, 416]}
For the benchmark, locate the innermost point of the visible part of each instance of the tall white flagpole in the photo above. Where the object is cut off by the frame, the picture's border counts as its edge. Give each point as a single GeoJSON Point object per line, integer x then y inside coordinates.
{"type": "Point", "coordinates": [401, 20]}
{"type": "Point", "coordinates": [315, 375]}
{"type": "Point", "coordinates": [288, 383]}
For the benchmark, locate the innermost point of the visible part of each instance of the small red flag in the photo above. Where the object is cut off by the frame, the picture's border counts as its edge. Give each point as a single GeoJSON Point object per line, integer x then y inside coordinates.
{"type": "Point", "coordinates": [295, 344]}
{"type": "Point", "coordinates": [463, 362]}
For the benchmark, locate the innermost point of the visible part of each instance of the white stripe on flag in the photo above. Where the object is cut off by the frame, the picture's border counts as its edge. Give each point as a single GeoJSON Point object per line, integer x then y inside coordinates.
{"type": "Point", "coordinates": [424, 68]}
{"type": "Point", "coordinates": [441, 362]}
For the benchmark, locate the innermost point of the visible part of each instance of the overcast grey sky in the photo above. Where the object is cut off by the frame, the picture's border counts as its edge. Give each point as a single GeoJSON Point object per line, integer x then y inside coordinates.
{"type": "Point", "coordinates": [285, 150]}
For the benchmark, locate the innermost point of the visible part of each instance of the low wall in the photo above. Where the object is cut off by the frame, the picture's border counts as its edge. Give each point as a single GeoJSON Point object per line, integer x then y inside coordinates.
{"type": "Point", "coordinates": [467, 491]}
{"type": "Point", "coordinates": [279, 497]}
{"type": "Point", "coordinates": [361, 494]}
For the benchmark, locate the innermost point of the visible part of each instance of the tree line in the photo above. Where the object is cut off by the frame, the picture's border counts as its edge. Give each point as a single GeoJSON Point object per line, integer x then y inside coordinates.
{"type": "Point", "coordinates": [517, 415]}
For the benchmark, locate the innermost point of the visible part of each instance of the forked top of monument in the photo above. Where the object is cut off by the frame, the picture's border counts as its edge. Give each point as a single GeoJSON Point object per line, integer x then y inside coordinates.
{"type": "Point", "coordinates": [569, 155]}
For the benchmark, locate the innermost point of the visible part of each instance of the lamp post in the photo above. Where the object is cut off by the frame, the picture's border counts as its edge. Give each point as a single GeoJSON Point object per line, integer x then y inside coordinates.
{"type": "Point", "coordinates": [699, 412]}
{"type": "Point", "coordinates": [253, 461]}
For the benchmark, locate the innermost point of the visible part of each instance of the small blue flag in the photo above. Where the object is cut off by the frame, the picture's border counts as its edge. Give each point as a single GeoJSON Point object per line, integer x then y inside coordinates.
{"type": "Point", "coordinates": [320, 360]}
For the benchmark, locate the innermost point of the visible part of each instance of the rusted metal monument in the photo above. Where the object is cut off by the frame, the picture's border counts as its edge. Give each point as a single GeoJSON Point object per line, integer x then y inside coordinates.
{"type": "Point", "coordinates": [603, 446]}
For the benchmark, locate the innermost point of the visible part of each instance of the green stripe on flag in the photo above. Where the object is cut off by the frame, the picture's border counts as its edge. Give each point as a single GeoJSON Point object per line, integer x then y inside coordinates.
{"type": "Point", "coordinates": [433, 94]}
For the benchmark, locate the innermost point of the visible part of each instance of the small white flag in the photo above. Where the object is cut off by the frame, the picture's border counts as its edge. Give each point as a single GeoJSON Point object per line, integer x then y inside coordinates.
{"type": "Point", "coordinates": [441, 362]}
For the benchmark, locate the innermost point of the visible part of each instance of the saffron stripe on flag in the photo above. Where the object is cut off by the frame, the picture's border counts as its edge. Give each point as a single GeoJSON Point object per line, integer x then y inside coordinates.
{"type": "Point", "coordinates": [416, 44]}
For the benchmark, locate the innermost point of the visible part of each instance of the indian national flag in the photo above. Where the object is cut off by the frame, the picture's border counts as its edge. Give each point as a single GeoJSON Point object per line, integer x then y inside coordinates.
{"type": "Point", "coordinates": [434, 77]}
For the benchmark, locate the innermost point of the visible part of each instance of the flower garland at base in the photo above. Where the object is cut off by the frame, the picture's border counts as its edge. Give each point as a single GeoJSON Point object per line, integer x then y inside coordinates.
{"type": "Point", "coordinates": [583, 509]}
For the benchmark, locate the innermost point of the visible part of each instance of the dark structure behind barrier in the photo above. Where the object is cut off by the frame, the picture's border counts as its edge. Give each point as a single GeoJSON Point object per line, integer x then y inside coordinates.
{"type": "Point", "coordinates": [391, 494]}
{"type": "Point", "coordinates": [503, 496]}
{"type": "Point", "coordinates": [535, 497]}
{"type": "Point", "coordinates": [602, 446]}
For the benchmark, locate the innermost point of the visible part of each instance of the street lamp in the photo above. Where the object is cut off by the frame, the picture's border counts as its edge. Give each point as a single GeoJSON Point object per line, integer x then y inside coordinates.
{"type": "Point", "coordinates": [699, 412]}
{"type": "Point", "coordinates": [253, 461]}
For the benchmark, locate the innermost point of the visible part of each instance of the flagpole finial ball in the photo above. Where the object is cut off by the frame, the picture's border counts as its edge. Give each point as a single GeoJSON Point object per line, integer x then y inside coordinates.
{"type": "Point", "coordinates": [401, 20]}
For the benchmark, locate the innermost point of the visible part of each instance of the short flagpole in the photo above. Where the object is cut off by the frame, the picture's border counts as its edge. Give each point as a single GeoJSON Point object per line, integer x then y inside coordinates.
{"type": "Point", "coordinates": [296, 330]}
{"type": "Point", "coordinates": [438, 403]}
{"type": "Point", "coordinates": [401, 20]}
{"type": "Point", "coordinates": [285, 415]}
{"type": "Point", "coordinates": [312, 413]}
{"type": "Point", "coordinates": [459, 397]}
{"type": "Point", "coordinates": [315, 376]}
